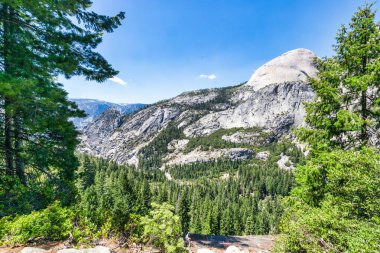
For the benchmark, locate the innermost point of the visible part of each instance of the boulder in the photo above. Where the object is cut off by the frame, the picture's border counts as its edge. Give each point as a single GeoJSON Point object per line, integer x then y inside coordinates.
{"type": "Point", "coordinates": [204, 250]}
{"type": "Point", "coordinates": [232, 249]}
{"type": "Point", "coordinates": [97, 249]}
{"type": "Point", "coordinates": [32, 250]}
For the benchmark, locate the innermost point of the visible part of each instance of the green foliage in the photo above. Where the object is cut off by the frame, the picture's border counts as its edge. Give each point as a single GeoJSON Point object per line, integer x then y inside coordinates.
{"type": "Point", "coordinates": [335, 206]}
{"type": "Point", "coordinates": [52, 223]}
{"type": "Point", "coordinates": [325, 229]}
{"type": "Point", "coordinates": [205, 170]}
{"type": "Point", "coordinates": [111, 196]}
{"type": "Point", "coordinates": [51, 38]}
{"type": "Point", "coordinates": [348, 177]}
{"type": "Point", "coordinates": [184, 211]}
{"type": "Point", "coordinates": [346, 111]}
{"type": "Point", "coordinates": [250, 193]}
{"type": "Point", "coordinates": [162, 228]}
{"type": "Point", "coordinates": [200, 195]}
{"type": "Point", "coordinates": [45, 150]}
{"type": "Point", "coordinates": [17, 198]}
{"type": "Point", "coordinates": [38, 43]}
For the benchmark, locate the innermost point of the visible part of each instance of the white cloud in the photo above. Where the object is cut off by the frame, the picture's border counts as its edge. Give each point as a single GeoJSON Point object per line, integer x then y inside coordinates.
{"type": "Point", "coordinates": [118, 80]}
{"type": "Point", "coordinates": [209, 77]}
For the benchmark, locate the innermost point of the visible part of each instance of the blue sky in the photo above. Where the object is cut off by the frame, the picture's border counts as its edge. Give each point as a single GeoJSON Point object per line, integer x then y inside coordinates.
{"type": "Point", "coordinates": [166, 47]}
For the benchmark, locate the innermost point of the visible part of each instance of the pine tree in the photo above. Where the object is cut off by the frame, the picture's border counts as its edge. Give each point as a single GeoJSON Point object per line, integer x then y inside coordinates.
{"type": "Point", "coordinates": [39, 41]}
{"type": "Point", "coordinates": [184, 212]}
{"type": "Point", "coordinates": [332, 208]}
{"type": "Point", "coordinates": [226, 223]}
{"type": "Point", "coordinates": [249, 227]}
{"type": "Point", "coordinates": [346, 112]}
{"type": "Point", "coordinates": [144, 198]}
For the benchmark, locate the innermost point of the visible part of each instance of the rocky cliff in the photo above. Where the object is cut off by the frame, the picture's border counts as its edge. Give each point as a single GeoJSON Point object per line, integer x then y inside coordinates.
{"type": "Point", "coordinates": [212, 123]}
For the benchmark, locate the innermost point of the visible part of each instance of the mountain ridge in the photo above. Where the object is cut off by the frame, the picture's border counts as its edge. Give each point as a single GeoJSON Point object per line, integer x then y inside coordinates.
{"type": "Point", "coordinates": [273, 107]}
{"type": "Point", "coordinates": [94, 107]}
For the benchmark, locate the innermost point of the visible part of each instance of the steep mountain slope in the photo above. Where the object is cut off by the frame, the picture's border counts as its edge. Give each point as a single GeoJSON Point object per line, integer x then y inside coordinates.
{"type": "Point", "coordinates": [226, 123]}
{"type": "Point", "coordinates": [94, 108]}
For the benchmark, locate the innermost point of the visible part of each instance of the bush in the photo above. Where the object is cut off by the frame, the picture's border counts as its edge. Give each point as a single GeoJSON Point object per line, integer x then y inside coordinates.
{"type": "Point", "coordinates": [52, 223]}
{"type": "Point", "coordinates": [326, 229]}
{"type": "Point", "coordinates": [162, 228]}
{"type": "Point", "coordinates": [335, 207]}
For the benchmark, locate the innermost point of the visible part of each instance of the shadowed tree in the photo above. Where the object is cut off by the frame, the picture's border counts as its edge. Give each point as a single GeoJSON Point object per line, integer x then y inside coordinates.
{"type": "Point", "coordinates": [40, 40]}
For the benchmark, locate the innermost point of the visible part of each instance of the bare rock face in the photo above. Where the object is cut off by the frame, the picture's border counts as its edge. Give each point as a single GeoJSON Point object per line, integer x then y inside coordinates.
{"type": "Point", "coordinates": [178, 145]}
{"type": "Point", "coordinates": [276, 107]}
{"type": "Point", "coordinates": [271, 100]}
{"type": "Point", "coordinates": [123, 143]}
{"type": "Point", "coordinates": [252, 138]}
{"type": "Point", "coordinates": [292, 66]}
{"type": "Point", "coordinates": [197, 155]}
{"type": "Point", "coordinates": [263, 155]}
{"type": "Point", "coordinates": [285, 163]}
{"type": "Point", "coordinates": [195, 97]}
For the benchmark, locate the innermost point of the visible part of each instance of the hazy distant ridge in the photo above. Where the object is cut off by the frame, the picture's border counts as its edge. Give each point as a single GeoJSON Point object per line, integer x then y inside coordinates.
{"type": "Point", "coordinates": [94, 108]}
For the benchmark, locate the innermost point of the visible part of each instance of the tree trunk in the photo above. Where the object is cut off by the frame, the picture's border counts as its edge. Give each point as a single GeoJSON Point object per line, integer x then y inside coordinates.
{"type": "Point", "coordinates": [8, 141]}
{"type": "Point", "coordinates": [364, 111]}
{"type": "Point", "coordinates": [19, 163]}
{"type": "Point", "coordinates": [364, 131]}
{"type": "Point", "coordinates": [8, 145]}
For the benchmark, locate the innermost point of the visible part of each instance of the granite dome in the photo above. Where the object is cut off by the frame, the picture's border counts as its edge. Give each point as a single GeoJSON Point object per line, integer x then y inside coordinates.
{"type": "Point", "coordinates": [293, 66]}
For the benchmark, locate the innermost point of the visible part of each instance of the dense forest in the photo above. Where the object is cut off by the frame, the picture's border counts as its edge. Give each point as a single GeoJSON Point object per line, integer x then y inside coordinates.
{"type": "Point", "coordinates": [252, 197]}
{"type": "Point", "coordinates": [329, 202]}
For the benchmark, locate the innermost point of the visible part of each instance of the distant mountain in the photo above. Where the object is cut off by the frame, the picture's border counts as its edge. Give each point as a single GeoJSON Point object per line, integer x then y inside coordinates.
{"type": "Point", "coordinates": [94, 108]}
{"type": "Point", "coordinates": [232, 122]}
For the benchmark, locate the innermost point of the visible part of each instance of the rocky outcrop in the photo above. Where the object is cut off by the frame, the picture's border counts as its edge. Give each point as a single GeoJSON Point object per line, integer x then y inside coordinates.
{"type": "Point", "coordinates": [197, 155]}
{"type": "Point", "coordinates": [284, 162]}
{"type": "Point", "coordinates": [263, 155]}
{"type": "Point", "coordinates": [97, 249]}
{"type": "Point", "coordinates": [251, 138]}
{"type": "Point", "coordinates": [272, 101]}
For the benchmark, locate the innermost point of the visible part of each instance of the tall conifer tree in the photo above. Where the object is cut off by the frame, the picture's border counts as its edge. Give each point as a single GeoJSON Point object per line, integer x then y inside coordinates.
{"type": "Point", "coordinates": [346, 113]}
{"type": "Point", "coordinates": [40, 40]}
